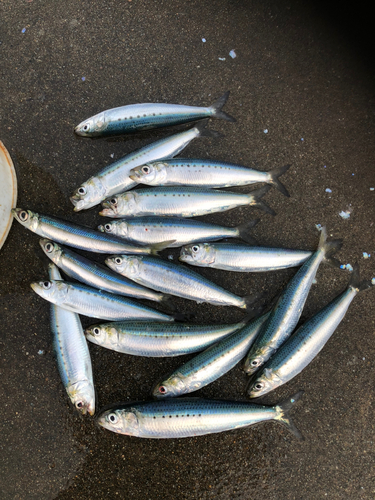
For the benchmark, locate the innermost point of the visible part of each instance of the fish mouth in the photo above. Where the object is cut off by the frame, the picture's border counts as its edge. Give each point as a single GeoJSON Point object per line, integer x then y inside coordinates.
{"type": "Point", "coordinates": [101, 228]}
{"type": "Point", "coordinates": [77, 202]}
{"type": "Point", "coordinates": [107, 212]}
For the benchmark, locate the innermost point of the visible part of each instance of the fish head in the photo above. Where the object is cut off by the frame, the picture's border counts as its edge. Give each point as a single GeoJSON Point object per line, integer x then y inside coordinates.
{"type": "Point", "coordinates": [120, 205]}
{"type": "Point", "coordinates": [102, 335]}
{"type": "Point", "coordinates": [92, 126]}
{"type": "Point", "coordinates": [51, 249]}
{"type": "Point", "coordinates": [197, 253]}
{"type": "Point", "coordinates": [27, 218]}
{"type": "Point", "coordinates": [53, 291]}
{"type": "Point", "coordinates": [88, 194]}
{"type": "Point", "coordinates": [120, 420]}
{"type": "Point", "coordinates": [170, 387]}
{"type": "Point", "coordinates": [256, 358]}
{"type": "Point", "coordinates": [82, 395]}
{"type": "Point", "coordinates": [263, 383]}
{"type": "Point", "coordinates": [127, 265]}
{"type": "Point", "coordinates": [116, 228]}
{"type": "Point", "coordinates": [152, 174]}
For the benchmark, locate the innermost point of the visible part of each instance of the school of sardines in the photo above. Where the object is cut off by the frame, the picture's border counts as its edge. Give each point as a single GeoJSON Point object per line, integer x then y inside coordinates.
{"type": "Point", "coordinates": [147, 221]}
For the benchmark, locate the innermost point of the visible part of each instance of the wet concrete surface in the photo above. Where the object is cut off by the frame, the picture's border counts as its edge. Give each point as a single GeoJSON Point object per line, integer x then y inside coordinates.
{"type": "Point", "coordinates": [299, 74]}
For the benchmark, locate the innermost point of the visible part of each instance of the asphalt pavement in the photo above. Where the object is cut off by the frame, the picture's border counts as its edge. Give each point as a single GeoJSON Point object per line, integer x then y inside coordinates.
{"type": "Point", "coordinates": [301, 84]}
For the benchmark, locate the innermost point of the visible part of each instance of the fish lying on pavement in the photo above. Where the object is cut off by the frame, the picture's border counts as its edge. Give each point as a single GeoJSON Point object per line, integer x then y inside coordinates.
{"type": "Point", "coordinates": [72, 355]}
{"type": "Point", "coordinates": [210, 364]}
{"type": "Point", "coordinates": [134, 117]}
{"type": "Point", "coordinates": [77, 236]}
{"type": "Point", "coordinates": [94, 303]}
{"type": "Point", "coordinates": [186, 417]}
{"type": "Point", "coordinates": [306, 343]}
{"type": "Point", "coordinates": [175, 279]}
{"type": "Point", "coordinates": [154, 230]}
{"type": "Point", "coordinates": [288, 309]}
{"type": "Point", "coordinates": [241, 258]}
{"type": "Point", "coordinates": [92, 274]}
{"type": "Point", "coordinates": [115, 178]}
{"type": "Point", "coordinates": [158, 340]}
{"type": "Point", "coordinates": [180, 202]}
{"type": "Point", "coordinates": [204, 173]}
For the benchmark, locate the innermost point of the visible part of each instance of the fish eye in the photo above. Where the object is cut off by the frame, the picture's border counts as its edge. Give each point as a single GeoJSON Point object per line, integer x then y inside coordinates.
{"type": "Point", "coordinates": [107, 227]}
{"type": "Point", "coordinates": [255, 362]}
{"type": "Point", "coordinates": [146, 170]}
{"type": "Point", "coordinates": [195, 248]}
{"type": "Point", "coordinates": [47, 285]}
{"type": "Point", "coordinates": [113, 201]}
{"type": "Point", "coordinates": [112, 417]}
{"type": "Point", "coordinates": [96, 331]}
{"type": "Point", "coordinates": [49, 247]}
{"type": "Point", "coordinates": [258, 386]}
{"type": "Point", "coordinates": [118, 260]}
{"type": "Point", "coordinates": [81, 190]}
{"type": "Point", "coordinates": [162, 389]}
{"type": "Point", "coordinates": [23, 216]}
{"type": "Point", "coordinates": [86, 127]}
{"type": "Point", "coordinates": [79, 405]}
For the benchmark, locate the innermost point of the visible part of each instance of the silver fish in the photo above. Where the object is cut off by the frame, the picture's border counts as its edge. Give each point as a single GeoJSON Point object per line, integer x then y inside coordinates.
{"type": "Point", "coordinates": [95, 303]}
{"type": "Point", "coordinates": [72, 355]}
{"type": "Point", "coordinates": [154, 230]}
{"type": "Point", "coordinates": [77, 236]}
{"type": "Point", "coordinates": [146, 116]}
{"type": "Point", "coordinates": [180, 202]}
{"type": "Point", "coordinates": [204, 173]}
{"type": "Point", "coordinates": [92, 274]}
{"type": "Point", "coordinates": [115, 178]}
{"type": "Point", "coordinates": [185, 417]}
{"type": "Point", "coordinates": [210, 364]}
{"type": "Point", "coordinates": [174, 279]}
{"type": "Point", "coordinates": [158, 340]}
{"type": "Point", "coordinates": [241, 258]}
{"type": "Point", "coordinates": [306, 343]}
{"type": "Point", "coordinates": [288, 309]}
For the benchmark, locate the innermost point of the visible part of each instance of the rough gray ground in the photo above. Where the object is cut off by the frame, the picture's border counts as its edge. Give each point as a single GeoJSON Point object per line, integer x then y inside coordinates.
{"type": "Point", "coordinates": [295, 75]}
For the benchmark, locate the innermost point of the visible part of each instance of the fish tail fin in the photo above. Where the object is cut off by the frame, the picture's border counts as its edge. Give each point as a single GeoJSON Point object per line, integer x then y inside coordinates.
{"type": "Point", "coordinates": [355, 280]}
{"type": "Point", "coordinates": [244, 231]}
{"type": "Point", "coordinates": [251, 300]}
{"type": "Point", "coordinates": [158, 247]}
{"type": "Point", "coordinates": [274, 179]}
{"type": "Point", "coordinates": [256, 201]}
{"type": "Point", "coordinates": [205, 132]}
{"type": "Point", "coordinates": [284, 409]}
{"type": "Point", "coordinates": [217, 109]}
{"type": "Point", "coordinates": [329, 248]}
{"type": "Point", "coordinates": [167, 301]}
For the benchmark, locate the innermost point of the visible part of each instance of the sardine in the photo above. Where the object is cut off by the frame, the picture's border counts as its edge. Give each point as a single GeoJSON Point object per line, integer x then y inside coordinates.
{"type": "Point", "coordinates": [210, 364]}
{"type": "Point", "coordinates": [241, 258]}
{"type": "Point", "coordinates": [174, 279]}
{"type": "Point", "coordinates": [158, 340]}
{"type": "Point", "coordinates": [92, 274]}
{"type": "Point", "coordinates": [204, 173]}
{"type": "Point", "coordinates": [72, 355]}
{"type": "Point", "coordinates": [306, 343]}
{"type": "Point", "coordinates": [77, 236]}
{"type": "Point", "coordinates": [135, 117]}
{"type": "Point", "coordinates": [186, 417]}
{"type": "Point", "coordinates": [180, 202]}
{"type": "Point", "coordinates": [95, 303]}
{"type": "Point", "coordinates": [115, 178]}
{"type": "Point", "coordinates": [154, 230]}
{"type": "Point", "coordinates": [288, 309]}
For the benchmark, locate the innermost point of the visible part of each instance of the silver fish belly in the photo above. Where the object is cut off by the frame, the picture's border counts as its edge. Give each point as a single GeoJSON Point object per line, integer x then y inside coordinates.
{"type": "Point", "coordinates": [185, 417]}
{"type": "Point", "coordinates": [180, 202]}
{"type": "Point", "coordinates": [210, 364]}
{"type": "Point", "coordinates": [95, 303]}
{"type": "Point", "coordinates": [72, 355]}
{"type": "Point", "coordinates": [115, 178]}
{"type": "Point", "coordinates": [241, 258]}
{"type": "Point", "coordinates": [141, 338]}
{"type": "Point", "coordinates": [154, 230]}
{"type": "Point", "coordinates": [134, 117]}
{"type": "Point", "coordinates": [92, 274]}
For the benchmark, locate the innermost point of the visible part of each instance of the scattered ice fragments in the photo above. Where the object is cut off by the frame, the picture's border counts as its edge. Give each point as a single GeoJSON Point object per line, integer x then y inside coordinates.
{"type": "Point", "coordinates": [203, 40]}
{"type": "Point", "coordinates": [170, 257]}
{"type": "Point", "coordinates": [83, 78]}
{"type": "Point", "coordinates": [232, 54]}
{"type": "Point", "coordinates": [318, 227]}
{"type": "Point", "coordinates": [344, 215]}
{"type": "Point", "coordinates": [373, 281]}
{"type": "Point", "coordinates": [265, 130]}
{"type": "Point", "coordinates": [221, 58]}
{"type": "Point", "coordinates": [112, 155]}
{"type": "Point", "coordinates": [366, 255]}
{"type": "Point", "coordinates": [328, 190]}
{"type": "Point", "coordinates": [23, 30]}
{"type": "Point", "coordinates": [302, 139]}
{"type": "Point", "coordinates": [40, 352]}
{"type": "Point", "coordinates": [348, 267]}
{"type": "Point", "coordinates": [372, 189]}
